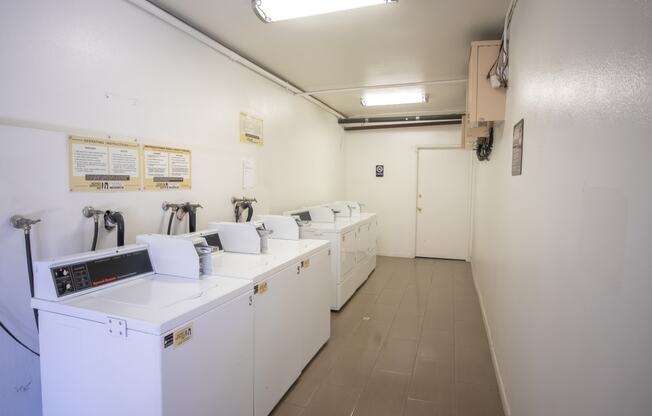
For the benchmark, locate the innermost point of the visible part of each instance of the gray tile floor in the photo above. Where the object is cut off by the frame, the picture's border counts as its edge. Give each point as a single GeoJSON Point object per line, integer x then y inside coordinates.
{"type": "Point", "coordinates": [410, 342]}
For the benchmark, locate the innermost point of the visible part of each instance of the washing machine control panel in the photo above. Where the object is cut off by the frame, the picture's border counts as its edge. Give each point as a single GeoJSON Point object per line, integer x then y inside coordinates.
{"type": "Point", "coordinates": [80, 276]}
{"type": "Point", "coordinates": [213, 239]}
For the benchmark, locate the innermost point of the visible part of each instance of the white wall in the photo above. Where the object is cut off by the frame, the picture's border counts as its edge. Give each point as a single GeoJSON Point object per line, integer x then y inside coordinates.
{"type": "Point", "coordinates": [562, 254]}
{"type": "Point", "coordinates": [392, 197]}
{"type": "Point", "coordinates": [59, 59]}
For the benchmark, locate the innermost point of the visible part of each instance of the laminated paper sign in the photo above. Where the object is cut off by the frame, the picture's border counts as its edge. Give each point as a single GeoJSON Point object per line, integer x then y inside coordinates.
{"type": "Point", "coordinates": [166, 168]}
{"type": "Point", "coordinates": [251, 129]}
{"type": "Point", "coordinates": [98, 165]}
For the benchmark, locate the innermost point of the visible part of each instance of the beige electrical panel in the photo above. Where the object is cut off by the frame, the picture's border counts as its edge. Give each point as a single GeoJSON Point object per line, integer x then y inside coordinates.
{"type": "Point", "coordinates": [483, 103]}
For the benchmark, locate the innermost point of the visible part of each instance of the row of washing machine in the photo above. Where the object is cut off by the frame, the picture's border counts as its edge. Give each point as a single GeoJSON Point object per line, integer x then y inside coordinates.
{"type": "Point", "coordinates": [172, 326]}
{"type": "Point", "coordinates": [219, 322]}
{"type": "Point", "coordinates": [352, 234]}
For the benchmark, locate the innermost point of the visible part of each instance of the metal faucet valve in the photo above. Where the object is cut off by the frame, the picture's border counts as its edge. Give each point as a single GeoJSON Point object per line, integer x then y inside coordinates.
{"type": "Point", "coordinates": [23, 223]}
{"type": "Point", "coordinates": [168, 205]}
{"type": "Point", "coordinates": [235, 200]}
{"type": "Point", "coordinates": [90, 212]}
{"type": "Point", "coordinates": [191, 207]}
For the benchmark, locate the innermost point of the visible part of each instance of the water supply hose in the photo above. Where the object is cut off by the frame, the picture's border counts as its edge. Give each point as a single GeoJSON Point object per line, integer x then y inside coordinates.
{"type": "Point", "coordinates": [96, 228]}
{"type": "Point", "coordinates": [170, 222]}
{"type": "Point", "coordinates": [30, 270]}
{"type": "Point", "coordinates": [250, 212]}
{"type": "Point", "coordinates": [113, 219]}
{"type": "Point", "coordinates": [26, 225]}
{"type": "Point", "coordinates": [120, 221]}
{"type": "Point", "coordinates": [192, 221]}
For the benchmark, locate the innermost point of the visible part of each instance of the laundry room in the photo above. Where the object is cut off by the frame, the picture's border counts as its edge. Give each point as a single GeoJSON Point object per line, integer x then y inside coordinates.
{"type": "Point", "coordinates": [294, 208]}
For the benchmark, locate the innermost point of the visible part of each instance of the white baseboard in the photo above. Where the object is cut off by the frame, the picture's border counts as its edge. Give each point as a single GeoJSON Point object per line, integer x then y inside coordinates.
{"type": "Point", "coordinates": [499, 378]}
{"type": "Point", "coordinates": [402, 255]}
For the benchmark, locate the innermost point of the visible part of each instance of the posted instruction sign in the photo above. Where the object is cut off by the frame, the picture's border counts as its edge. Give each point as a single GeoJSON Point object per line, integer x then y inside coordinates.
{"type": "Point", "coordinates": [99, 165]}
{"type": "Point", "coordinates": [251, 129]}
{"type": "Point", "coordinates": [166, 168]}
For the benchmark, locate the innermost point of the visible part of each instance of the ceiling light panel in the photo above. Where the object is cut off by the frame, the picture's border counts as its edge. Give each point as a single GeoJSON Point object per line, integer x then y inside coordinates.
{"type": "Point", "coordinates": [275, 10]}
{"type": "Point", "coordinates": [412, 96]}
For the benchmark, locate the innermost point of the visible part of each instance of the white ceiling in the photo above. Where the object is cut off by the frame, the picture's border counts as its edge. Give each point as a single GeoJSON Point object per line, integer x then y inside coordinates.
{"type": "Point", "coordinates": [412, 41]}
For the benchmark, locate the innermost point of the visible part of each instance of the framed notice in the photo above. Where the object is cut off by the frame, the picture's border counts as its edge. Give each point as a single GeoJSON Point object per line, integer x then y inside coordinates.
{"type": "Point", "coordinates": [251, 129]}
{"type": "Point", "coordinates": [517, 149]}
{"type": "Point", "coordinates": [99, 165]}
{"type": "Point", "coordinates": [166, 168]}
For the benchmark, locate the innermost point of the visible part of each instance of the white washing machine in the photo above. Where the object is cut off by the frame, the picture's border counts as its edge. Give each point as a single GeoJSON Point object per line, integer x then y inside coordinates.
{"type": "Point", "coordinates": [118, 339]}
{"type": "Point", "coordinates": [291, 301]}
{"type": "Point", "coordinates": [353, 240]}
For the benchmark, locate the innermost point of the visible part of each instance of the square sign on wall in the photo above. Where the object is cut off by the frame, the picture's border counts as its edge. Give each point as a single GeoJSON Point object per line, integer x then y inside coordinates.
{"type": "Point", "coordinates": [380, 171]}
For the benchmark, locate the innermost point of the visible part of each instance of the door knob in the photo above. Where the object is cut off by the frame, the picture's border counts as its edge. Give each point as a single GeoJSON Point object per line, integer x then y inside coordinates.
{"type": "Point", "coordinates": [419, 209]}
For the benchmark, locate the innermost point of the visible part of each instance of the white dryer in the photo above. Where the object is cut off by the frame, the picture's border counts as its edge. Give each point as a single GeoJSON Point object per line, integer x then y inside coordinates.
{"type": "Point", "coordinates": [118, 339]}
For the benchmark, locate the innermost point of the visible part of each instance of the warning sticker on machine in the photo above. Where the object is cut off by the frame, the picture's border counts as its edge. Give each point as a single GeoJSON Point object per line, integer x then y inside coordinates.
{"type": "Point", "coordinates": [99, 165]}
{"type": "Point", "coordinates": [166, 168]}
{"type": "Point", "coordinates": [182, 335]}
{"type": "Point", "coordinates": [260, 288]}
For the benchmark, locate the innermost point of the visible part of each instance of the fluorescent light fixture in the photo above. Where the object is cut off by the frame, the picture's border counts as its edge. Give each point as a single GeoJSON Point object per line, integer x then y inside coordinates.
{"type": "Point", "coordinates": [396, 97]}
{"type": "Point", "coordinates": [275, 10]}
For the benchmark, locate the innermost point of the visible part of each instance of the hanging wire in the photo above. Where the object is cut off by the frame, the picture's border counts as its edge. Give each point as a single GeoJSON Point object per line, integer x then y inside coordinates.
{"type": "Point", "coordinates": [17, 340]}
{"type": "Point", "coordinates": [499, 71]}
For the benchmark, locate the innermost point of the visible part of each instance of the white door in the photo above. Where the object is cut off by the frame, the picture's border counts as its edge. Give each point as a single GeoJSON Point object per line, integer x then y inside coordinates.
{"type": "Point", "coordinates": [443, 203]}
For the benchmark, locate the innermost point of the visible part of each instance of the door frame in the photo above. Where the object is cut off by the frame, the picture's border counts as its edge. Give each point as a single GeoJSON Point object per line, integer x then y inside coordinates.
{"type": "Point", "coordinates": [471, 211]}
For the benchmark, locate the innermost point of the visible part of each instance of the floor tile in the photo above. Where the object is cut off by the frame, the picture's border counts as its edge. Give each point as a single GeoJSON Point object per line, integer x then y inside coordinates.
{"type": "Point", "coordinates": [391, 297]}
{"type": "Point", "coordinates": [302, 391]}
{"type": "Point", "coordinates": [384, 395]}
{"type": "Point", "coordinates": [324, 361]}
{"type": "Point", "coordinates": [410, 342]}
{"type": "Point", "coordinates": [470, 333]}
{"type": "Point", "coordinates": [397, 355]}
{"type": "Point", "coordinates": [420, 408]}
{"type": "Point", "coordinates": [287, 409]}
{"type": "Point", "coordinates": [439, 318]}
{"type": "Point", "coordinates": [436, 345]}
{"type": "Point", "coordinates": [473, 365]}
{"type": "Point", "coordinates": [414, 301]}
{"type": "Point", "coordinates": [463, 286]}
{"type": "Point", "coordinates": [477, 400]}
{"type": "Point", "coordinates": [353, 367]}
{"type": "Point", "coordinates": [467, 308]}
{"type": "Point", "coordinates": [406, 327]}
{"type": "Point", "coordinates": [370, 334]}
{"type": "Point", "coordinates": [381, 313]}
{"type": "Point", "coordinates": [432, 381]}
{"type": "Point", "coordinates": [332, 400]}
{"type": "Point", "coordinates": [362, 300]}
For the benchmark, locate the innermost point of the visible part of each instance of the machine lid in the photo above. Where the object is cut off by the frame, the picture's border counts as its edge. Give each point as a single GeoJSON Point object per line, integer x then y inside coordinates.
{"type": "Point", "coordinates": [258, 267]}
{"type": "Point", "coordinates": [153, 304]}
{"type": "Point", "coordinates": [341, 224]}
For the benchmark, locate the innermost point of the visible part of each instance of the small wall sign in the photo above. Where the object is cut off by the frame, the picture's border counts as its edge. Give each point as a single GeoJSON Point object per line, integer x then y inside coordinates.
{"type": "Point", "coordinates": [517, 149]}
{"type": "Point", "coordinates": [251, 129]}
{"type": "Point", "coordinates": [380, 171]}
